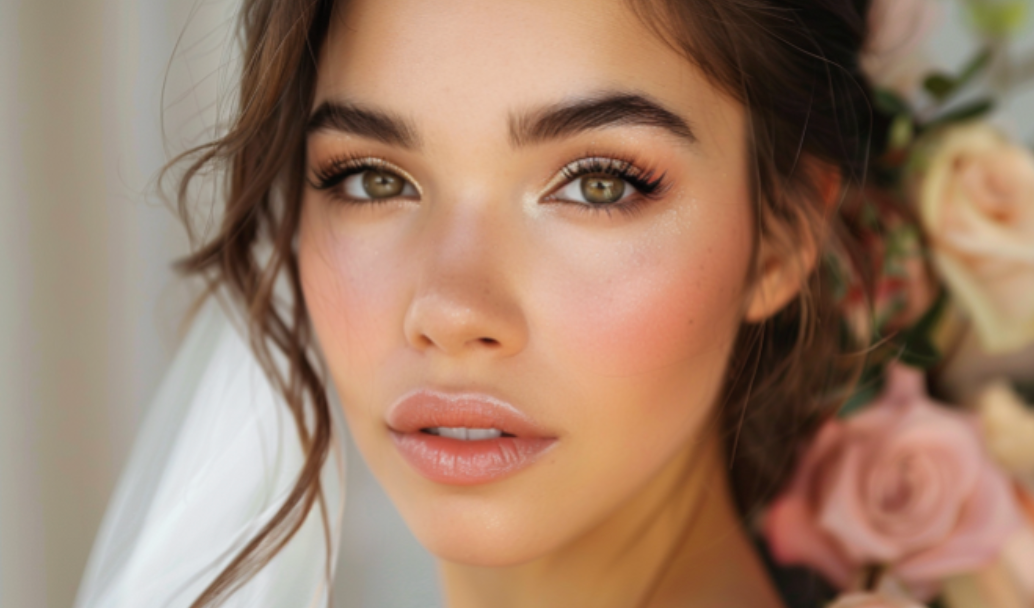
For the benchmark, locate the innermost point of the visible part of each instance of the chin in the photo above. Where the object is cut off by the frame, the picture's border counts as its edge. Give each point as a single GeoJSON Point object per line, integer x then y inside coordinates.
{"type": "Point", "coordinates": [478, 546]}
{"type": "Point", "coordinates": [473, 531]}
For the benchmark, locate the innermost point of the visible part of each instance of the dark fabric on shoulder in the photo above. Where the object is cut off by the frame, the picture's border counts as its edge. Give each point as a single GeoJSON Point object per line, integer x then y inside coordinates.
{"type": "Point", "coordinates": [799, 587]}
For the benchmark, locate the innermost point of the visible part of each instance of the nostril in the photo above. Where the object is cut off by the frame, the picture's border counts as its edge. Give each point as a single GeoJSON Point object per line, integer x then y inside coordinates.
{"type": "Point", "coordinates": [489, 341]}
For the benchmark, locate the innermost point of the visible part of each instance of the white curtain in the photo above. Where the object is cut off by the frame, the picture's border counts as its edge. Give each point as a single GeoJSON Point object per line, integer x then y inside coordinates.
{"type": "Point", "coordinates": [89, 307]}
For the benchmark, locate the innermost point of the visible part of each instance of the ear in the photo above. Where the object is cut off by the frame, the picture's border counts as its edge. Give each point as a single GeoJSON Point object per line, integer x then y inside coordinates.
{"type": "Point", "coordinates": [788, 253]}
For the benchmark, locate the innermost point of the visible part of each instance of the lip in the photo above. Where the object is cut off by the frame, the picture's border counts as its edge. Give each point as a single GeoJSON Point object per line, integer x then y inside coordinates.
{"type": "Point", "coordinates": [457, 462]}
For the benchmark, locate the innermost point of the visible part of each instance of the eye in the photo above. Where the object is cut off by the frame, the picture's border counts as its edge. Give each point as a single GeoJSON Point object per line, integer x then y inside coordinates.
{"type": "Point", "coordinates": [606, 183]}
{"type": "Point", "coordinates": [596, 189]}
{"type": "Point", "coordinates": [376, 184]}
{"type": "Point", "coordinates": [364, 180]}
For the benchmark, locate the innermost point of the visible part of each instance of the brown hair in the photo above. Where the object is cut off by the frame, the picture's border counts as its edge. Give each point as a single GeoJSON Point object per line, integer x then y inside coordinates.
{"type": "Point", "coordinates": [792, 63]}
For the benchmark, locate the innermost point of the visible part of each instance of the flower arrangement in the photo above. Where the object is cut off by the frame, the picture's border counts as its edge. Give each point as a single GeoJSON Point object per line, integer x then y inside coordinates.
{"type": "Point", "coordinates": [903, 498]}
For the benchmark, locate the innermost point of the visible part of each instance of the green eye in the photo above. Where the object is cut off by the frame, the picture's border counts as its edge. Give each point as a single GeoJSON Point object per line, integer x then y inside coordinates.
{"type": "Point", "coordinates": [369, 179]}
{"type": "Point", "coordinates": [382, 184]}
{"type": "Point", "coordinates": [376, 184]}
{"type": "Point", "coordinates": [602, 189]}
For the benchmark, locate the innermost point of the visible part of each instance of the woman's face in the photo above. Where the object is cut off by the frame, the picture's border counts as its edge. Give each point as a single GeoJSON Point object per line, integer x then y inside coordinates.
{"type": "Point", "coordinates": [529, 219]}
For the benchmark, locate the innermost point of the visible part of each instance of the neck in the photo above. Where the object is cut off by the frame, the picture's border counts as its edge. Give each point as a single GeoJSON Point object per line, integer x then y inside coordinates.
{"type": "Point", "coordinates": [677, 543]}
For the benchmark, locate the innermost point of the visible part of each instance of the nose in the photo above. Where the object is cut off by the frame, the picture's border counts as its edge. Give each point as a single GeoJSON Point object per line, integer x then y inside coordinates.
{"type": "Point", "coordinates": [466, 302]}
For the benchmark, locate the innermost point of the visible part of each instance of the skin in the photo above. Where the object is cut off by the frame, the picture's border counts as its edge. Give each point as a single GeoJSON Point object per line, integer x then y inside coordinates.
{"type": "Point", "coordinates": [611, 330]}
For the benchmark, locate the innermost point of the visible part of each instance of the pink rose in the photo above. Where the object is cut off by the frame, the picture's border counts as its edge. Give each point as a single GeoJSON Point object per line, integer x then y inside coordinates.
{"type": "Point", "coordinates": [871, 600]}
{"type": "Point", "coordinates": [906, 485]}
{"type": "Point", "coordinates": [897, 29]}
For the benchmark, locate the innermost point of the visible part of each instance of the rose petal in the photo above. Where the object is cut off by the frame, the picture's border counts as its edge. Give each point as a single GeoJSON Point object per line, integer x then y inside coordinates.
{"type": "Point", "coordinates": [904, 385]}
{"type": "Point", "coordinates": [986, 522]}
{"type": "Point", "coordinates": [896, 29]}
{"type": "Point", "coordinates": [906, 484]}
{"type": "Point", "coordinates": [1008, 427]}
{"type": "Point", "coordinates": [844, 517]}
{"type": "Point", "coordinates": [794, 540]}
{"type": "Point", "coordinates": [942, 451]}
{"type": "Point", "coordinates": [929, 426]}
{"type": "Point", "coordinates": [909, 499]}
{"type": "Point", "coordinates": [976, 234]}
{"type": "Point", "coordinates": [789, 525]}
{"type": "Point", "coordinates": [902, 421]}
{"type": "Point", "coordinates": [1017, 556]}
{"type": "Point", "coordinates": [997, 333]}
{"type": "Point", "coordinates": [977, 207]}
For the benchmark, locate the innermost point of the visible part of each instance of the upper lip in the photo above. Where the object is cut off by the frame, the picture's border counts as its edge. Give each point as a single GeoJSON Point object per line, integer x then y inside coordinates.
{"type": "Point", "coordinates": [427, 408]}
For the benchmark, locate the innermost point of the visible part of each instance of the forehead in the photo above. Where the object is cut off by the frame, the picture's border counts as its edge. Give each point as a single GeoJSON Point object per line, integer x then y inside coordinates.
{"type": "Point", "coordinates": [470, 62]}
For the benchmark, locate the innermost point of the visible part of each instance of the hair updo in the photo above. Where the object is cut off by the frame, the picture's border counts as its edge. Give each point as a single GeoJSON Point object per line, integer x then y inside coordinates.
{"type": "Point", "coordinates": [794, 65]}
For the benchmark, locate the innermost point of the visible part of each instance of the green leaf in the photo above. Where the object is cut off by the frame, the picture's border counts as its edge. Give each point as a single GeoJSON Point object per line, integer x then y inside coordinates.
{"type": "Point", "coordinates": [940, 86]}
{"type": "Point", "coordinates": [932, 316]}
{"type": "Point", "coordinates": [889, 102]}
{"type": "Point", "coordinates": [865, 395]}
{"type": "Point", "coordinates": [920, 352]}
{"type": "Point", "coordinates": [1026, 392]}
{"type": "Point", "coordinates": [974, 67]}
{"type": "Point", "coordinates": [866, 390]}
{"type": "Point", "coordinates": [837, 276]}
{"type": "Point", "coordinates": [918, 349]}
{"type": "Point", "coordinates": [969, 111]}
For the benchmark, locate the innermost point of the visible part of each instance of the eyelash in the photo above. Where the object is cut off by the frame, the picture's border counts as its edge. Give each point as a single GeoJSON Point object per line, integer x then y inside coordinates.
{"type": "Point", "coordinates": [648, 185]}
{"type": "Point", "coordinates": [331, 174]}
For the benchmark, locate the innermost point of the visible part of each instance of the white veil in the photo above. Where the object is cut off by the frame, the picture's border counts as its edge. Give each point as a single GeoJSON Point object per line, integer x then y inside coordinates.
{"type": "Point", "coordinates": [214, 459]}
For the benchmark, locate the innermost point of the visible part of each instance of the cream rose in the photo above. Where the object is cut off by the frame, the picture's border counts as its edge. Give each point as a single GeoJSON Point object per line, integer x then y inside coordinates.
{"type": "Point", "coordinates": [976, 203]}
{"type": "Point", "coordinates": [1008, 429]}
{"type": "Point", "coordinates": [905, 485]}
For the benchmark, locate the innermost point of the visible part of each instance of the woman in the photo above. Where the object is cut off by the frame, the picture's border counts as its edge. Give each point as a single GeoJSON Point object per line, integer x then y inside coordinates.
{"type": "Point", "coordinates": [559, 262]}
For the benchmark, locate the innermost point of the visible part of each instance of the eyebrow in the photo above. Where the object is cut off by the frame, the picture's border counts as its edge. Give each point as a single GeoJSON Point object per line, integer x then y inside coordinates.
{"type": "Point", "coordinates": [566, 119]}
{"type": "Point", "coordinates": [365, 122]}
{"type": "Point", "coordinates": [557, 121]}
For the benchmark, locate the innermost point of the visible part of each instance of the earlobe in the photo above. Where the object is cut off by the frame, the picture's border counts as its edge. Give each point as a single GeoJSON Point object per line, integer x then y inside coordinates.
{"type": "Point", "coordinates": [788, 254]}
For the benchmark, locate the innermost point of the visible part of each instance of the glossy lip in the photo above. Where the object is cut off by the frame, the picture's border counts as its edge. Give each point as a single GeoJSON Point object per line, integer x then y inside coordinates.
{"type": "Point", "coordinates": [457, 462]}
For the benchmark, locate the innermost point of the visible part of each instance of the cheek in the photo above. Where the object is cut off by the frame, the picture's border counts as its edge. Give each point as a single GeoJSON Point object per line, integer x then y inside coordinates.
{"type": "Point", "coordinates": [658, 303]}
{"type": "Point", "coordinates": [349, 286]}
{"type": "Point", "coordinates": [641, 335]}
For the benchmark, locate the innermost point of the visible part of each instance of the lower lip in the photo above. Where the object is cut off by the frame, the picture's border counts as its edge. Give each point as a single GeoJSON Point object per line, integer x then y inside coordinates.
{"type": "Point", "coordinates": [467, 463]}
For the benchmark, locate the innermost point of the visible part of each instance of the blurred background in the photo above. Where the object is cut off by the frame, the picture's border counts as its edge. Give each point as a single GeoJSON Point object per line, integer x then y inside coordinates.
{"type": "Point", "coordinates": [90, 309]}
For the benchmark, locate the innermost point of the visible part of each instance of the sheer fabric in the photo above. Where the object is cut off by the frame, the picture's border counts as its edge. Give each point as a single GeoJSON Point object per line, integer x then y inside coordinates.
{"type": "Point", "coordinates": [215, 458]}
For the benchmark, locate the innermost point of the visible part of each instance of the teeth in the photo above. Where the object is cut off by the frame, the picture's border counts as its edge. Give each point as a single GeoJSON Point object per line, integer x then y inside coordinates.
{"type": "Point", "coordinates": [452, 433]}
{"type": "Point", "coordinates": [464, 433]}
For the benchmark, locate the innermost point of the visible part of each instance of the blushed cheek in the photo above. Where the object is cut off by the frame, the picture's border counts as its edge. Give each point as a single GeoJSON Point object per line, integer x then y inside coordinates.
{"type": "Point", "coordinates": [660, 307]}
{"type": "Point", "coordinates": [347, 287]}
